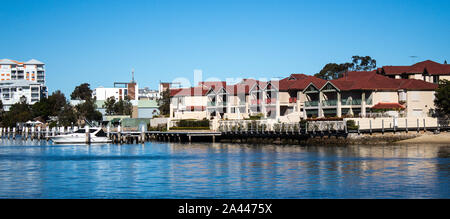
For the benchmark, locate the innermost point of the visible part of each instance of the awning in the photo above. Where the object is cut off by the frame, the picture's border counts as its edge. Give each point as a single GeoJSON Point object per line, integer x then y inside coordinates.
{"type": "Point", "coordinates": [388, 106]}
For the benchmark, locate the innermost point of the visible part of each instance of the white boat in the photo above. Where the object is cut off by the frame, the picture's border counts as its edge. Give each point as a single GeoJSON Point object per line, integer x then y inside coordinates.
{"type": "Point", "coordinates": [97, 135]}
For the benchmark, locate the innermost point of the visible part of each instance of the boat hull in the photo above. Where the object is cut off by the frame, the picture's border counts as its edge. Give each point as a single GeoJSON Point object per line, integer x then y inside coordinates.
{"type": "Point", "coordinates": [79, 140]}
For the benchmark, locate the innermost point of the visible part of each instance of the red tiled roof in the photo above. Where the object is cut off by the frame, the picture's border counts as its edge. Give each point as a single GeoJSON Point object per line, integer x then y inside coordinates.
{"type": "Point", "coordinates": [432, 68]}
{"type": "Point", "coordinates": [373, 81]}
{"type": "Point", "coordinates": [193, 91]}
{"type": "Point", "coordinates": [388, 106]}
{"type": "Point", "coordinates": [300, 82]}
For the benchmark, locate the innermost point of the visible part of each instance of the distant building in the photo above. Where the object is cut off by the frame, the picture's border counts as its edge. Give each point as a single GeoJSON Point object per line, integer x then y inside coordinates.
{"type": "Point", "coordinates": [32, 70]}
{"type": "Point", "coordinates": [119, 92]}
{"type": "Point", "coordinates": [428, 71]}
{"type": "Point", "coordinates": [12, 91]}
{"type": "Point", "coordinates": [148, 94]}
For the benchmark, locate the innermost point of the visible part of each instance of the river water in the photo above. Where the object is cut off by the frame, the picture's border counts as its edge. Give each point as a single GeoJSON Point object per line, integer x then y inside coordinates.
{"type": "Point", "coordinates": [32, 169]}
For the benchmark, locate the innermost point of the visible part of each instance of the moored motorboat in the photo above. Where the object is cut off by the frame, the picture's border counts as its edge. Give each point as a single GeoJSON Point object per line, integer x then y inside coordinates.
{"type": "Point", "coordinates": [96, 136]}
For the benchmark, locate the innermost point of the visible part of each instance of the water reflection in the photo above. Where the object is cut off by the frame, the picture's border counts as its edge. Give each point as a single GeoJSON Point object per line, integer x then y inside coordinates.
{"type": "Point", "coordinates": [156, 170]}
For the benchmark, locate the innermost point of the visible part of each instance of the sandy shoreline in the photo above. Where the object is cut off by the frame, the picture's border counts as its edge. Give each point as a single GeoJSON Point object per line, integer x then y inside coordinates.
{"type": "Point", "coordinates": [442, 138]}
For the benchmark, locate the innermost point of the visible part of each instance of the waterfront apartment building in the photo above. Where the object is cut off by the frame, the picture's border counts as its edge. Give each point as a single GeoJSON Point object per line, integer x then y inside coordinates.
{"type": "Point", "coordinates": [299, 96]}
{"type": "Point", "coordinates": [12, 91]}
{"type": "Point", "coordinates": [21, 79]}
{"type": "Point", "coordinates": [32, 70]}
{"type": "Point", "coordinates": [428, 71]}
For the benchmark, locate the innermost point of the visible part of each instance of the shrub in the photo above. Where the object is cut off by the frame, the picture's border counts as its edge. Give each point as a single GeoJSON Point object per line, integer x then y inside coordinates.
{"type": "Point", "coordinates": [193, 123]}
{"type": "Point", "coordinates": [351, 125]}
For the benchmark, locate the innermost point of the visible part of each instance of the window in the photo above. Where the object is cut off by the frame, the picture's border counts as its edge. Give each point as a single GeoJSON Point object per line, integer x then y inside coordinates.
{"type": "Point", "coordinates": [436, 79]}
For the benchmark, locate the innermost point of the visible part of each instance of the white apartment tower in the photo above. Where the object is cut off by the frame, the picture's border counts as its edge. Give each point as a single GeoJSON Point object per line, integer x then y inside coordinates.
{"type": "Point", "coordinates": [18, 79]}
{"type": "Point", "coordinates": [32, 70]}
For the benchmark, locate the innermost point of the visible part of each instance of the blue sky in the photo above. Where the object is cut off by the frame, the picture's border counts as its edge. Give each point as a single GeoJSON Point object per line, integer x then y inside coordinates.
{"type": "Point", "coordinates": [99, 42]}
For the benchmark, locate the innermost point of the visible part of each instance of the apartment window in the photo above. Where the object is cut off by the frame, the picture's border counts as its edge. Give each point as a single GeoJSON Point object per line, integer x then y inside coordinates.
{"type": "Point", "coordinates": [436, 79]}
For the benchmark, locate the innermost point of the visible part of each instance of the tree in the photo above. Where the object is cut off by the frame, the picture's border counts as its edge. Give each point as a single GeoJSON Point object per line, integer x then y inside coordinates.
{"type": "Point", "coordinates": [88, 111]}
{"type": "Point", "coordinates": [57, 101]}
{"type": "Point", "coordinates": [333, 71]}
{"type": "Point", "coordinates": [363, 63]}
{"type": "Point", "coordinates": [67, 115]}
{"type": "Point", "coordinates": [442, 100]}
{"type": "Point", "coordinates": [123, 107]}
{"type": "Point", "coordinates": [359, 63]}
{"type": "Point", "coordinates": [18, 112]}
{"type": "Point", "coordinates": [82, 92]}
{"type": "Point", "coordinates": [109, 105]}
{"type": "Point", "coordinates": [164, 103]}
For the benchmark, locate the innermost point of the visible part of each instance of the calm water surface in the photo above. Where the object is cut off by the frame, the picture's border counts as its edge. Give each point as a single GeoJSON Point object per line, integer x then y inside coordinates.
{"type": "Point", "coordinates": [169, 170]}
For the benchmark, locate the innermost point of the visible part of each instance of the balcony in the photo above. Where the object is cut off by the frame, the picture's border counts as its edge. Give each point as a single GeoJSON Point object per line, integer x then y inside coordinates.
{"type": "Point", "coordinates": [311, 103]}
{"type": "Point", "coordinates": [353, 102]}
{"type": "Point", "coordinates": [211, 103]}
{"type": "Point", "coordinates": [329, 103]}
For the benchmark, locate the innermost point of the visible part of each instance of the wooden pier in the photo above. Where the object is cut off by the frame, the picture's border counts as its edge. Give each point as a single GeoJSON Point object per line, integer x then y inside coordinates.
{"type": "Point", "coordinates": [239, 133]}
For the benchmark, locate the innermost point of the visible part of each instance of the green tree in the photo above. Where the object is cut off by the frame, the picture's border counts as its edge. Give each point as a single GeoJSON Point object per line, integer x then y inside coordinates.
{"type": "Point", "coordinates": [88, 111]}
{"type": "Point", "coordinates": [333, 71]}
{"type": "Point", "coordinates": [123, 107]}
{"type": "Point", "coordinates": [42, 109]}
{"type": "Point", "coordinates": [82, 92]}
{"type": "Point", "coordinates": [363, 63]}
{"type": "Point", "coordinates": [109, 106]}
{"type": "Point", "coordinates": [164, 103]}
{"type": "Point", "coordinates": [18, 112]}
{"type": "Point", "coordinates": [67, 115]}
{"type": "Point", "coordinates": [442, 100]}
{"type": "Point", "coordinates": [57, 101]}
{"type": "Point", "coordinates": [359, 63]}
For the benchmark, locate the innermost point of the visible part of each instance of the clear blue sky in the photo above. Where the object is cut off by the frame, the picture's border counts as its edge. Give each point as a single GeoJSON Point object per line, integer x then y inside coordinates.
{"type": "Point", "coordinates": [99, 42]}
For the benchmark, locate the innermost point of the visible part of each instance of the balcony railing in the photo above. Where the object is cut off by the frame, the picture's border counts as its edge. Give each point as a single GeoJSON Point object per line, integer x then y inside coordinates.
{"type": "Point", "coordinates": [329, 103]}
{"type": "Point", "coordinates": [353, 102]}
{"type": "Point", "coordinates": [311, 103]}
{"type": "Point", "coordinates": [211, 103]}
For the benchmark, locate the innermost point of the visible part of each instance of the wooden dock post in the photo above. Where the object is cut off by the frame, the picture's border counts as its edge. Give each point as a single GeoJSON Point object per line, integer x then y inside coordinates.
{"type": "Point", "coordinates": [88, 134]}
{"type": "Point", "coordinates": [39, 132]}
{"type": "Point", "coordinates": [418, 128]}
{"type": "Point", "coordinates": [47, 133]}
{"type": "Point", "coordinates": [142, 134]}
{"type": "Point", "coordinates": [108, 130]}
{"type": "Point", "coordinates": [359, 132]}
{"type": "Point", "coordinates": [394, 124]}
{"type": "Point", "coordinates": [424, 126]}
{"type": "Point", "coordinates": [382, 126]}
{"type": "Point", "coordinates": [119, 134]}
{"type": "Point", "coordinates": [370, 125]}
{"type": "Point", "coordinates": [406, 125]}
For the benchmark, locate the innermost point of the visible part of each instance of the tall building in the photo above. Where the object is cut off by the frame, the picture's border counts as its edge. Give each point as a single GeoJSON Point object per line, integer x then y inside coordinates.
{"type": "Point", "coordinates": [21, 79]}
{"type": "Point", "coordinates": [32, 70]}
{"type": "Point", "coordinates": [12, 91]}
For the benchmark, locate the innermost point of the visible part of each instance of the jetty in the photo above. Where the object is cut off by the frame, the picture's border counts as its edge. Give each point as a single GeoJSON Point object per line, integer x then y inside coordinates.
{"type": "Point", "coordinates": [236, 131]}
